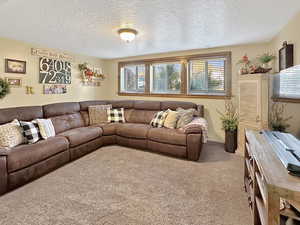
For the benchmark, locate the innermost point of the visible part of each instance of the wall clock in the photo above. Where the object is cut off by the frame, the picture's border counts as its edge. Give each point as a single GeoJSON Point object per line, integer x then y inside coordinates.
{"type": "Point", "coordinates": [53, 71]}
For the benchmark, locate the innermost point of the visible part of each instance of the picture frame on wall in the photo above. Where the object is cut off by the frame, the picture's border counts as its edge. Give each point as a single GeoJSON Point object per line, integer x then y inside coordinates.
{"type": "Point", "coordinates": [14, 81]}
{"type": "Point", "coordinates": [50, 89]}
{"type": "Point", "coordinates": [15, 66]}
{"type": "Point", "coordinates": [286, 56]}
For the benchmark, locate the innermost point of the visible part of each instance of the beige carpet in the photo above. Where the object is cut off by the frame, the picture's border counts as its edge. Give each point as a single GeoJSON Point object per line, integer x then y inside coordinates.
{"type": "Point", "coordinates": [122, 186]}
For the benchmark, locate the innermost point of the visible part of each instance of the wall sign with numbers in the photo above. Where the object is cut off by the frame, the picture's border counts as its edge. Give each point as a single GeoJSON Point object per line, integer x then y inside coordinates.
{"type": "Point", "coordinates": [54, 71]}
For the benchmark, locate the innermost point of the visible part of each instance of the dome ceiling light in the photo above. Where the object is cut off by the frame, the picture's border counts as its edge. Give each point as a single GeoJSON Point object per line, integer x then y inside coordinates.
{"type": "Point", "coordinates": [127, 34]}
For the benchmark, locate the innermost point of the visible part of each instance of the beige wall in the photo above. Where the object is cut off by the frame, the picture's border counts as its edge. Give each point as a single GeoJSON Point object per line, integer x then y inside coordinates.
{"type": "Point", "coordinates": [75, 91]}
{"type": "Point", "coordinates": [290, 33]}
{"type": "Point", "coordinates": [211, 105]}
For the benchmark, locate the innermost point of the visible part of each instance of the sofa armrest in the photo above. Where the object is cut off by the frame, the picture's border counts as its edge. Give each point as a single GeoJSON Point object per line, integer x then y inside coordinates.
{"type": "Point", "coordinates": [196, 126]}
{"type": "Point", "coordinates": [194, 146]}
{"type": "Point", "coordinates": [3, 174]}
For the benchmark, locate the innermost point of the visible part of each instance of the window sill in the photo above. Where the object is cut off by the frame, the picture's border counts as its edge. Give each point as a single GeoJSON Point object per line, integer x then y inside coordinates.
{"type": "Point", "coordinates": [288, 100]}
{"type": "Point", "coordinates": [175, 95]}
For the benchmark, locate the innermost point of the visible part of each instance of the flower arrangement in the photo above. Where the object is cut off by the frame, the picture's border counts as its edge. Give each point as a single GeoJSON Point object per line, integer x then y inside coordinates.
{"type": "Point", "coordinates": [277, 120]}
{"type": "Point", "coordinates": [230, 117]}
{"type": "Point", "coordinates": [4, 88]}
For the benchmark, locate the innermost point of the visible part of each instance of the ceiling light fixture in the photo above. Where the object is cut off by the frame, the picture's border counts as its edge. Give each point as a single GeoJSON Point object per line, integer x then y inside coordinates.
{"type": "Point", "coordinates": [127, 34]}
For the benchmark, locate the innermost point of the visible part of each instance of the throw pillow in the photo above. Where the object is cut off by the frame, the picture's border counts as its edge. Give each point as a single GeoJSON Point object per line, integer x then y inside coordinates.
{"type": "Point", "coordinates": [171, 119]}
{"type": "Point", "coordinates": [115, 115]}
{"type": "Point", "coordinates": [11, 134]}
{"type": "Point", "coordinates": [31, 131]}
{"type": "Point", "coordinates": [46, 128]}
{"type": "Point", "coordinates": [159, 119]}
{"type": "Point", "coordinates": [185, 117]}
{"type": "Point", "coordinates": [98, 113]}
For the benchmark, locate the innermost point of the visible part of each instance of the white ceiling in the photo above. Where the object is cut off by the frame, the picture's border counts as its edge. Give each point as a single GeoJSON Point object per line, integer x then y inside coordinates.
{"type": "Point", "coordinates": [90, 26]}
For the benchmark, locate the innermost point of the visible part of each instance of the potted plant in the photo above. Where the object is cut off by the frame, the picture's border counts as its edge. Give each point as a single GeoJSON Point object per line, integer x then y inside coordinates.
{"type": "Point", "coordinates": [277, 120]}
{"type": "Point", "coordinates": [230, 124]}
{"type": "Point", "coordinates": [265, 59]}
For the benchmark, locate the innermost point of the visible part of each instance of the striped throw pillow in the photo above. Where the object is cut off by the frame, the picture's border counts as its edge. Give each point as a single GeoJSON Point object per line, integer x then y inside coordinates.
{"type": "Point", "coordinates": [159, 119]}
{"type": "Point", "coordinates": [115, 115]}
{"type": "Point", "coordinates": [46, 128]}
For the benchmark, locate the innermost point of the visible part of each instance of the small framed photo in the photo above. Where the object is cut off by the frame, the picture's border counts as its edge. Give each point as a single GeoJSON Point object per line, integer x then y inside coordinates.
{"type": "Point", "coordinates": [15, 66]}
{"type": "Point", "coordinates": [14, 82]}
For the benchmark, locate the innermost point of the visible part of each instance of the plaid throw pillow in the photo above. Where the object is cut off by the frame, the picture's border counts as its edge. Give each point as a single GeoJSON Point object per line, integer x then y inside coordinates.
{"type": "Point", "coordinates": [31, 131]}
{"type": "Point", "coordinates": [115, 115]}
{"type": "Point", "coordinates": [159, 119]}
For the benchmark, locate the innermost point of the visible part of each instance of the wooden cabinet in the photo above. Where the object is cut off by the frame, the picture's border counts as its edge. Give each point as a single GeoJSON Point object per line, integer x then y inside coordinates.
{"type": "Point", "coordinates": [253, 104]}
{"type": "Point", "coordinates": [268, 183]}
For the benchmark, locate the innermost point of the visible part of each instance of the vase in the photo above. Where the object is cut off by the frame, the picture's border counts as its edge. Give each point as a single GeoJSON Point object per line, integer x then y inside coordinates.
{"type": "Point", "coordinates": [231, 141]}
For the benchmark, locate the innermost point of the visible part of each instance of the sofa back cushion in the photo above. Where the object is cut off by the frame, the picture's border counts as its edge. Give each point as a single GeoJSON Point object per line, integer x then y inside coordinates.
{"type": "Point", "coordinates": [141, 116]}
{"type": "Point", "coordinates": [64, 116]}
{"type": "Point", "coordinates": [84, 106]}
{"type": "Point", "coordinates": [125, 104]}
{"type": "Point", "coordinates": [67, 122]}
{"type": "Point", "coordinates": [21, 113]}
{"type": "Point", "coordinates": [59, 109]}
{"type": "Point", "coordinates": [173, 105]}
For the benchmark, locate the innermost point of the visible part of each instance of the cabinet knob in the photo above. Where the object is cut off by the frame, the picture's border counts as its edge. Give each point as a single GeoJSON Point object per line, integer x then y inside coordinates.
{"type": "Point", "coordinates": [257, 118]}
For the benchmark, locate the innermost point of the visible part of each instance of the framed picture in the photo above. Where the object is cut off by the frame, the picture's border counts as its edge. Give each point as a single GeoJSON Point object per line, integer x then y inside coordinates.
{"type": "Point", "coordinates": [15, 66]}
{"type": "Point", "coordinates": [286, 56]}
{"type": "Point", "coordinates": [14, 82]}
{"type": "Point", "coordinates": [54, 71]}
{"type": "Point", "coordinates": [55, 89]}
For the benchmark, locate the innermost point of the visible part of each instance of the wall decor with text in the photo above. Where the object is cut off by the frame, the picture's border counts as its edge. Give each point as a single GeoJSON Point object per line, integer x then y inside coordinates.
{"type": "Point", "coordinates": [50, 89]}
{"type": "Point", "coordinates": [53, 71]}
{"type": "Point", "coordinates": [15, 66]}
{"type": "Point", "coordinates": [51, 54]}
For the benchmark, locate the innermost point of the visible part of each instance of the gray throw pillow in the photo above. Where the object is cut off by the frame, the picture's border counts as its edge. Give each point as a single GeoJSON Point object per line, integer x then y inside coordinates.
{"type": "Point", "coordinates": [185, 117]}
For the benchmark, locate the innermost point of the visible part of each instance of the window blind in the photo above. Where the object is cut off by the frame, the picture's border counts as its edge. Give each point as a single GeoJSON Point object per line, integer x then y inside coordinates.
{"type": "Point", "coordinates": [287, 83]}
{"type": "Point", "coordinates": [207, 76]}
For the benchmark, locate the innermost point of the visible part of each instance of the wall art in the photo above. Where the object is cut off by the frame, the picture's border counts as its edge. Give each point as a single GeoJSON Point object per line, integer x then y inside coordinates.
{"type": "Point", "coordinates": [29, 90]}
{"type": "Point", "coordinates": [55, 89]}
{"type": "Point", "coordinates": [51, 54]}
{"type": "Point", "coordinates": [14, 82]}
{"type": "Point", "coordinates": [91, 76]}
{"type": "Point", "coordinates": [15, 66]}
{"type": "Point", "coordinates": [286, 56]}
{"type": "Point", "coordinates": [54, 71]}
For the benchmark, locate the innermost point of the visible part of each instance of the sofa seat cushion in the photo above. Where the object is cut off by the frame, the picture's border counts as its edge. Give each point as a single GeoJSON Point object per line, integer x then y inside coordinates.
{"type": "Point", "coordinates": [168, 136]}
{"type": "Point", "coordinates": [82, 135]}
{"type": "Point", "coordinates": [133, 130]}
{"type": "Point", "coordinates": [107, 128]}
{"type": "Point", "coordinates": [25, 155]}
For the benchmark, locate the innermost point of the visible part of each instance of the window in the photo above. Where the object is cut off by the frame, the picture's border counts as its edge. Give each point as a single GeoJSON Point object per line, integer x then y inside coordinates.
{"type": "Point", "coordinates": [206, 75]}
{"type": "Point", "coordinates": [133, 79]}
{"type": "Point", "coordinates": [165, 78]}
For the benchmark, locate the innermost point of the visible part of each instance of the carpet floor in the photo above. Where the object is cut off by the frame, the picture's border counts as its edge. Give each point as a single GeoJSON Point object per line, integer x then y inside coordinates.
{"type": "Point", "coordinates": [123, 186]}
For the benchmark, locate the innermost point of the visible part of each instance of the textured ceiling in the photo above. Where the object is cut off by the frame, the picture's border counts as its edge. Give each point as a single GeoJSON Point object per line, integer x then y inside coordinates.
{"type": "Point", "coordinates": [90, 26]}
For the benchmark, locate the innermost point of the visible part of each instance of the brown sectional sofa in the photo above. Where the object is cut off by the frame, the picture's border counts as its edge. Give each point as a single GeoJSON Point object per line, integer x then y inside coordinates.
{"type": "Point", "coordinates": [76, 137]}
